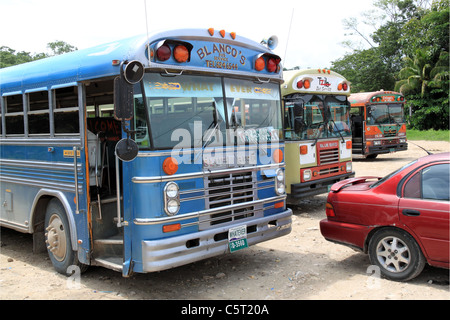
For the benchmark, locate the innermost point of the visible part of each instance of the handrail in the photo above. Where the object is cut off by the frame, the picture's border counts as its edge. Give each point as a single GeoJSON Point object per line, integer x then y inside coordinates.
{"type": "Point", "coordinates": [77, 210]}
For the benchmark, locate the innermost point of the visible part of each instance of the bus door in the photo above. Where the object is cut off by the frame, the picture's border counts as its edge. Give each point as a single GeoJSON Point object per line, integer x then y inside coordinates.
{"type": "Point", "coordinates": [103, 132]}
{"type": "Point", "coordinates": [358, 128]}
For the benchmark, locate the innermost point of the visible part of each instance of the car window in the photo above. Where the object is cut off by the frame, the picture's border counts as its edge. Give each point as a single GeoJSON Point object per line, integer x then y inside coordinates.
{"type": "Point", "coordinates": [431, 182]}
{"type": "Point", "coordinates": [435, 182]}
{"type": "Point", "coordinates": [385, 178]}
{"type": "Point", "coordinates": [412, 187]}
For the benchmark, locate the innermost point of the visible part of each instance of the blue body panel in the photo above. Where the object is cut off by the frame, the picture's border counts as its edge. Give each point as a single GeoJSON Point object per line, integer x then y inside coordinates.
{"type": "Point", "coordinates": [71, 67]}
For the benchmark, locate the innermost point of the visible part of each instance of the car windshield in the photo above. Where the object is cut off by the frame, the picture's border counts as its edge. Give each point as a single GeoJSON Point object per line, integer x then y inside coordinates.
{"type": "Point", "coordinates": [392, 174]}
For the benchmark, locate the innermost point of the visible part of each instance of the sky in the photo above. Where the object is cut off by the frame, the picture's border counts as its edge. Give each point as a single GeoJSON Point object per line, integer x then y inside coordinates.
{"type": "Point", "coordinates": [310, 32]}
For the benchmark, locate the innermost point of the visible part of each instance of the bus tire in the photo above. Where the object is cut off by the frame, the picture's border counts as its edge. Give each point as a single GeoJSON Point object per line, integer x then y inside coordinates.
{"type": "Point", "coordinates": [57, 238]}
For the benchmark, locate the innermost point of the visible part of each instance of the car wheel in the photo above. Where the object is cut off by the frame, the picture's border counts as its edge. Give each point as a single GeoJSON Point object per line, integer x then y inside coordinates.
{"type": "Point", "coordinates": [397, 254]}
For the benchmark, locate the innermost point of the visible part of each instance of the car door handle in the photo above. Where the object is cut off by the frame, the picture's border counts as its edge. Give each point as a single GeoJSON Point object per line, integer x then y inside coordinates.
{"type": "Point", "coordinates": [411, 212]}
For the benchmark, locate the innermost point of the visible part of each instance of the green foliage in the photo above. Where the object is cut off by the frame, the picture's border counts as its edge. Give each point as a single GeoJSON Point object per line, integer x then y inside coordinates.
{"type": "Point", "coordinates": [9, 57]}
{"type": "Point", "coordinates": [366, 70]}
{"type": "Point", "coordinates": [410, 56]}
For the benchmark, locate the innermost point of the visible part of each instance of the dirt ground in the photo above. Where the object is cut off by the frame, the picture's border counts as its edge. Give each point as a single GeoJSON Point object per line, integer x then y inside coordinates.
{"type": "Point", "coordinates": [299, 266]}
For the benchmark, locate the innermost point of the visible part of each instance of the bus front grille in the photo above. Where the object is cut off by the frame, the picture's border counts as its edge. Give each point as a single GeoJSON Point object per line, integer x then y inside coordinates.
{"type": "Point", "coordinates": [230, 191]}
{"type": "Point", "coordinates": [328, 156]}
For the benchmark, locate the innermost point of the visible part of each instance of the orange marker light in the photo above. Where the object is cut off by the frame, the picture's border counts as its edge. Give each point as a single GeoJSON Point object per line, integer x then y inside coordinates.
{"type": "Point", "coordinates": [222, 33]}
{"type": "Point", "coordinates": [211, 31]}
{"type": "Point", "coordinates": [181, 53]}
{"type": "Point", "coordinates": [233, 35]}
{"type": "Point", "coordinates": [260, 64]}
{"type": "Point", "coordinates": [303, 149]}
{"type": "Point", "coordinates": [277, 155]}
{"type": "Point", "coordinates": [170, 166]}
{"type": "Point", "coordinates": [171, 227]}
{"type": "Point", "coordinates": [348, 144]}
{"type": "Point", "coordinates": [279, 205]}
{"type": "Point", "coordinates": [306, 84]}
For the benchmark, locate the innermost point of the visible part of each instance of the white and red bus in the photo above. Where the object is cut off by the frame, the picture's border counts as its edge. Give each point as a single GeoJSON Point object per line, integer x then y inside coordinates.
{"type": "Point", "coordinates": [317, 130]}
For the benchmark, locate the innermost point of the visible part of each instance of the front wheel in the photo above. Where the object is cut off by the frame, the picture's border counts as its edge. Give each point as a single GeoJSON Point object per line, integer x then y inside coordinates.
{"type": "Point", "coordinates": [397, 254]}
{"type": "Point", "coordinates": [57, 238]}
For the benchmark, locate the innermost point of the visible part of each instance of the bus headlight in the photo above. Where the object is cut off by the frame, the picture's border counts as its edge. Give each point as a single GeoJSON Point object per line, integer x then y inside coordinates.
{"type": "Point", "coordinates": [307, 175]}
{"type": "Point", "coordinates": [279, 182]}
{"type": "Point", "coordinates": [348, 167]}
{"type": "Point", "coordinates": [377, 143]}
{"type": "Point", "coordinates": [171, 198]}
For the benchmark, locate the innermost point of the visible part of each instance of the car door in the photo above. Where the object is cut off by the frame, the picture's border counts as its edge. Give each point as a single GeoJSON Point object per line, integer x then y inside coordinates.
{"type": "Point", "coordinates": [424, 208]}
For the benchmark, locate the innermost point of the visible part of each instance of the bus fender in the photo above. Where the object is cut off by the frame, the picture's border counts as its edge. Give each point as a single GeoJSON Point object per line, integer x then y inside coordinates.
{"type": "Point", "coordinates": [62, 198]}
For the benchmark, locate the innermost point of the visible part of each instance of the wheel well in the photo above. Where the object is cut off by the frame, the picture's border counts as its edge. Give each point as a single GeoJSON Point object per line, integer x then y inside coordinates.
{"type": "Point", "coordinates": [375, 230]}
{"type": "Point", "coordinates": [38, 222]}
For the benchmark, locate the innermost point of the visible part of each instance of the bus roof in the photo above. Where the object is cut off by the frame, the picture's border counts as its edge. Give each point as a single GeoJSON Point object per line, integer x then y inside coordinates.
{"type": "Point", "coordinates": [321, 81]}
{"type": "Point", "coordinates": [97, 62]}
{"type": "Point", "coordinates": [363, 98]}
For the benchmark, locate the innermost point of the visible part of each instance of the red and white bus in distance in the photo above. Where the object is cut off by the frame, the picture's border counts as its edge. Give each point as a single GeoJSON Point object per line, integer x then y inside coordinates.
{"type": "Point", "coordinates": [317, 130]}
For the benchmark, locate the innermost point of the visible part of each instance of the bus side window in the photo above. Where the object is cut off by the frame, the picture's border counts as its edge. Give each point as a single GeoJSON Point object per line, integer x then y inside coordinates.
{"type": "Point", "coordinates": [38, 113]}
{"type": "Point", "coordinates": [14, 115]}
{"type": "Point", "coordinates": [66, 114]}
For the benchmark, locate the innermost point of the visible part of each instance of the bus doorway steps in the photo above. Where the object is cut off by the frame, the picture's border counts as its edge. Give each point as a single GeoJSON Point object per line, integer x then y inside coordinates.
{"type": "Point", "coordinates": [109, 252]}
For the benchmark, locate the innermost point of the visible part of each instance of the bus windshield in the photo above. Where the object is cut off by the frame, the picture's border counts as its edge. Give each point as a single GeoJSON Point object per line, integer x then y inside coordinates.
{"type": "Point", "coordinates": [316, 118]}
{"type": "Point", "coordinates": [192, 111]}
{"type": "Point", "coordinates": [385, 114]}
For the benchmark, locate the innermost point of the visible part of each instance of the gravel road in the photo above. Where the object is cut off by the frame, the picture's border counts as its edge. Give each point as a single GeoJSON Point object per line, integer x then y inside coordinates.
{"type": "Point", "coordinates": [300, 266]}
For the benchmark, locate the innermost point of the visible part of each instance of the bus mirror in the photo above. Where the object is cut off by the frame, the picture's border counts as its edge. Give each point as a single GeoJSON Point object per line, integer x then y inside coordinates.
{"type": "Point", "coordinates": [133, 72]}
{"type": "Point", "coordinates": [123, 99]}
{"type": "Point", "coordinates": [126, 150]}
{"type": "Point", "coordinates": [298, 109]}
{"type": "Point", "coordinates": [299, 125]}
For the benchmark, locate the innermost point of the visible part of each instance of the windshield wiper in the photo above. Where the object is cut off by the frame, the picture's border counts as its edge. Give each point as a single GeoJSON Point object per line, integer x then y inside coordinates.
{"type": "Point", "coordinates": [318, 135]}
{"type": "Point", "coordinates": [338, 130]}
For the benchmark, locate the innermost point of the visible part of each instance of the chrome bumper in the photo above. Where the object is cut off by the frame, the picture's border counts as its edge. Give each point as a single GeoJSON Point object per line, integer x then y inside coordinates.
{"type": "Point", "coordinates": [172, 252]}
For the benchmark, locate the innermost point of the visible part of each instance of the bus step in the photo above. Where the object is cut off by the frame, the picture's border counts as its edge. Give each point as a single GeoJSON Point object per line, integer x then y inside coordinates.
{"type": "Point", "coordinates": [108, 251]}
{"type": "Point", "coordinates": [113, 263]}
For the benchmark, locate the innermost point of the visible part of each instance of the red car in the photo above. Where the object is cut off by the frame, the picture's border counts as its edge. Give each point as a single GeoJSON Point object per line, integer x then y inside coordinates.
{"type": "Point", "coordinates": [401, 220]}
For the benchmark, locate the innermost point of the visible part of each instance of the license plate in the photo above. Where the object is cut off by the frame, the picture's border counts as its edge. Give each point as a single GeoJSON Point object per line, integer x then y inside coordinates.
{"type": "Point", "coordinates": [237, 238]}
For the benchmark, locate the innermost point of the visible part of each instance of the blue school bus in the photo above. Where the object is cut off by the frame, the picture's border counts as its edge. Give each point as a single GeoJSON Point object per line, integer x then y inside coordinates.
{"type": "Point", "coordinates": [147, 153]}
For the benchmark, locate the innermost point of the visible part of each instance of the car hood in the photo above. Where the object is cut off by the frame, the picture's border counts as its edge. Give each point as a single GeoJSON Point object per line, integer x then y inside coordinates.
{"type": "Point", "coordinates": [354, 184]}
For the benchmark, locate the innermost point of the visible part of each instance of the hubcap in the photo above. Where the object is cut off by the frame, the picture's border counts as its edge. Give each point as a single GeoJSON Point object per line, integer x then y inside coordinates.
{"type": "Point", "coordinates": [56, 238]}
{"type": "Point", "coordinates": [393, 254]}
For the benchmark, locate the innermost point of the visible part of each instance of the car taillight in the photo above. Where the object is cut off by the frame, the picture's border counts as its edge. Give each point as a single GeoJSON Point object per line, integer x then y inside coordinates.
{"type": "Point", "coordinates": [329, 210]}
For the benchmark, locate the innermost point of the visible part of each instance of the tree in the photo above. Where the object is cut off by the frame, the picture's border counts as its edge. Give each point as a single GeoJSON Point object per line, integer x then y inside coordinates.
{"type": "Point", "coordinates": [426, 87]}
{"type": "Point", "coordinates": [9, 57]}
{"type": "Point", "coordinates": [416, 75]}
{"type": "Point", "coordinates": [59, 47]}
{"type": "Point", "coordinates": [366, 70]}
